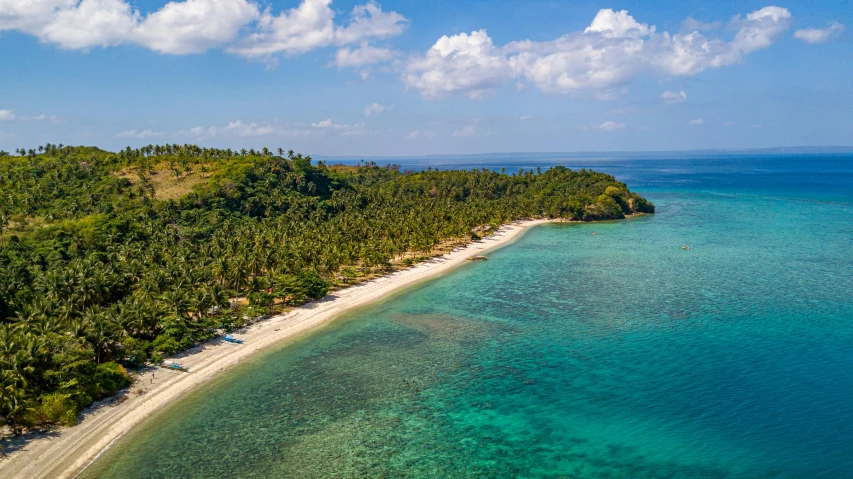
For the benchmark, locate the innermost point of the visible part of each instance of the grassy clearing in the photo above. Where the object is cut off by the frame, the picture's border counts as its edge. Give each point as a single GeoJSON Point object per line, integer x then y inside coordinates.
{"type": "Point", "coordinates": [166, 185]}
{"type": "Point", "coordinates": [22, 226]}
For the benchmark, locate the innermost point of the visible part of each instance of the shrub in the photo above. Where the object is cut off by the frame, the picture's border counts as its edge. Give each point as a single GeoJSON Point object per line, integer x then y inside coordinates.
{"type": "Point", "coordinates": [261, 299]}
{"type": "Point", "coordinates": [138, 349]}
{"type": "Point", "coordinates": [231, 321]}
{"type": "Point", "coordinates": [612, 191]}
{"type": "Point", "coordinates": [166, 344]}
{"type": "Point", "coordinates": [289, 288]}
{"type": "Point", "coordinates": [640, 204]}
{"type": "Point", "coordinates": [257, 311]}
{"type": "Point", "coordinates": [110, 378]}
{"type": "Point", "coordinates": [315, 287]}
{"type": "Point", "coordinates": [175, 327]}
{"type": "Point", "coordinates": [349, 273]}
{"type": "Point", "coordinates": [54, 408]}
{"type": "Point", "coordinates": [605, 208]}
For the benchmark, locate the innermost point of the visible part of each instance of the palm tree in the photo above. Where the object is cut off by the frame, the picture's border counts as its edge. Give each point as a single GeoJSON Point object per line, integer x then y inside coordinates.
{"type": "Point", "coordinates": [201, 303]}
{"type": "Point", "coordinates": [218, 297]}
{"type": "Point", "coordinates": [100, 331]}
{"type": "Point", "coordinates": [12, 401]}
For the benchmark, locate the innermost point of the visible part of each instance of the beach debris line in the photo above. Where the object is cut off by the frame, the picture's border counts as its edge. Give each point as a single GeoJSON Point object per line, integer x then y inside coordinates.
{"type": "Point", "coordinates": [232, 339]}
{"type": "Point", "coordinates": [478, 257]}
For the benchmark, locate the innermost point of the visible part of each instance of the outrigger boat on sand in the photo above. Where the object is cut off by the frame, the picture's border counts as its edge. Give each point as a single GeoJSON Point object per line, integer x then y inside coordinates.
{"type": "Point", "coordinates": [232, 339]}
{"type": "Point", "coordinates": [174, 366]}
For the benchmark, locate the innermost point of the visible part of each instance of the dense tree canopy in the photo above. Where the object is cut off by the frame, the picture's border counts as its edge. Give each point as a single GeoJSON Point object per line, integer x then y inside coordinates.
{"type": "Point", "coordinates": [96, 271]}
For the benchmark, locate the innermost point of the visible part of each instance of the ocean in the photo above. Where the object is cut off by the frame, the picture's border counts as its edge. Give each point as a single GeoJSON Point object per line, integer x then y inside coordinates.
{"type": "Point", "coordinates": [600, 350]}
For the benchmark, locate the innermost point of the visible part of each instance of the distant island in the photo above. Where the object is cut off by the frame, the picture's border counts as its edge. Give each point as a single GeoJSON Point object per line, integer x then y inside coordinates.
{"type": "Point", "coordinates": [111, 260]}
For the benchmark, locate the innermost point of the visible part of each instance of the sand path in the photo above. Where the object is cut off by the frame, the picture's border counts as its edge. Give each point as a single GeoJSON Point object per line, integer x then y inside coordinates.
{"type": "Point", "coordinates": [64, 453]}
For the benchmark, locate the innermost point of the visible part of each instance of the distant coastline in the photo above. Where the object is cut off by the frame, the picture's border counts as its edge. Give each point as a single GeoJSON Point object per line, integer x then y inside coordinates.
{"type": "Point", "coordinates": [639, 155]}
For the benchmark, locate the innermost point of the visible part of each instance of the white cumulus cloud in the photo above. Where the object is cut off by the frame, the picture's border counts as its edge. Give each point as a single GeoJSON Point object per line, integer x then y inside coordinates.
{"type": "Point", "coordinates": [141, 135]}
{"type": "Point", "coordinates": [9, 115]}
{"type": "Point", "coordinates": [376, 109]}
{"type": "Point", "coordinates": [610, 125]}
{"type": "Point", "coordinates": [369, 21]}
{"type": "Point", "coordinates": [619, 24]}
{"type": "Point", "coordinates": [819, 35]}
{"type": "Point", "coordinates": [605, 56]}
{"type": "Point", "coordinates": [249, 129]}
{"type": "Point", "coordinates": [345, 129]}
{"type": "Point", "coordinates": [418, 134]}
{"type": "Point", "coordinates": [191, 26]}
{"type": "Point", "coordinates": [362, 56]}
{"type": "Point", "coordinates": [244, 27]}
{"type": "Point", "coordinates": [194, 26]}
{"type": "Point", "coordinates": [465, 63]}
{"type": "Point", "coordinates": [470, 131]}
{"type": "Point", "coordinates": [312, 25]}
{"type": "Point", "coordinates": [90, 23]}
{"type": "Point", "coordinates": [674, 96]}
{"type": "Point", "coordinates": [697, 122]}
{"type": "Point", "coordinates": [239, 128]}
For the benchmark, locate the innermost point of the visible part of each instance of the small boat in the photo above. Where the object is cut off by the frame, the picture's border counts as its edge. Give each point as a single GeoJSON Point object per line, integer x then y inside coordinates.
{"type": "Point", "coordinates": [477, 258]}
{"type": "Point", "coordinates": [685, 247]}
{"type": "Point", "coordinates": [232, 339]}
{"type": "Point", "coordinates": [175, 367]}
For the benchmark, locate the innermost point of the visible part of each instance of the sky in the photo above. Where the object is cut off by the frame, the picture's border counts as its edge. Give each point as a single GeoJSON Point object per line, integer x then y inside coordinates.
{"type": "Point", "coordinates": [411, 77]}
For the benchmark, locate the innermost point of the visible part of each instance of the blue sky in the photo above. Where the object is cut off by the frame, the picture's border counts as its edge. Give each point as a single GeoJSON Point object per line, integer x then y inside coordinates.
{"type": "Point", "coordinates": [412, 77]}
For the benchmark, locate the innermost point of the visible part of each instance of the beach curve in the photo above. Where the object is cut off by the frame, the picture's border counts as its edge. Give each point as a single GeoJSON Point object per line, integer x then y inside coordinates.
{"type": "Point", "coordinates": [70, 450]}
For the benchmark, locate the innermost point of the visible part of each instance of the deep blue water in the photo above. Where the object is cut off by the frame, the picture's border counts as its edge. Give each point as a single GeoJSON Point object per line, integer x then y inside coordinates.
{"type": "Point", "coordinates": [570, 354]}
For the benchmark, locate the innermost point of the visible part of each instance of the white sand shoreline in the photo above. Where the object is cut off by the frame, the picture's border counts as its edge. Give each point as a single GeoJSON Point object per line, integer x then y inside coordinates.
{"type": "Point", "coordinates": [70, 450]}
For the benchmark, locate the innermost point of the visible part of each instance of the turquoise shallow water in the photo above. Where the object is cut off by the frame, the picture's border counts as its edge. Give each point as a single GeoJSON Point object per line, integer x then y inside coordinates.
{"type": "Point", "coordinates": [570, 354]}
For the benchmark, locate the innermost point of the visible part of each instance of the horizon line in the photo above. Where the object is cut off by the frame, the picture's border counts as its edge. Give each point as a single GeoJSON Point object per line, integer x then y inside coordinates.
{"type": "Point", "coordinates": [773, 149]}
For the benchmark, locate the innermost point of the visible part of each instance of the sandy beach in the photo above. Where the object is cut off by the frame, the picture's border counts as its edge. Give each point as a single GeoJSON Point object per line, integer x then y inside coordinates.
{"type": "Point", "coordinates": [65, 452]}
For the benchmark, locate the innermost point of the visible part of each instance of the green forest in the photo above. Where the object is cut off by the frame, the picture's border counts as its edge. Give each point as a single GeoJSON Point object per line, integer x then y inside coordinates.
{"type": "Point", "coordinates": [113, 260]}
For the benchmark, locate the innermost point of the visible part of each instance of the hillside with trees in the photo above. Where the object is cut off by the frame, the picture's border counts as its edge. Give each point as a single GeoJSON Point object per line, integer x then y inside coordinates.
{"type": "Point", "coordinates": [112, 260]}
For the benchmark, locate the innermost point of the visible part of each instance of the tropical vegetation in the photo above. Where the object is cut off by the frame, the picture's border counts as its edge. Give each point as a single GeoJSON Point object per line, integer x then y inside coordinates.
{"type": "Point", "coordinates": [112, 260]}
